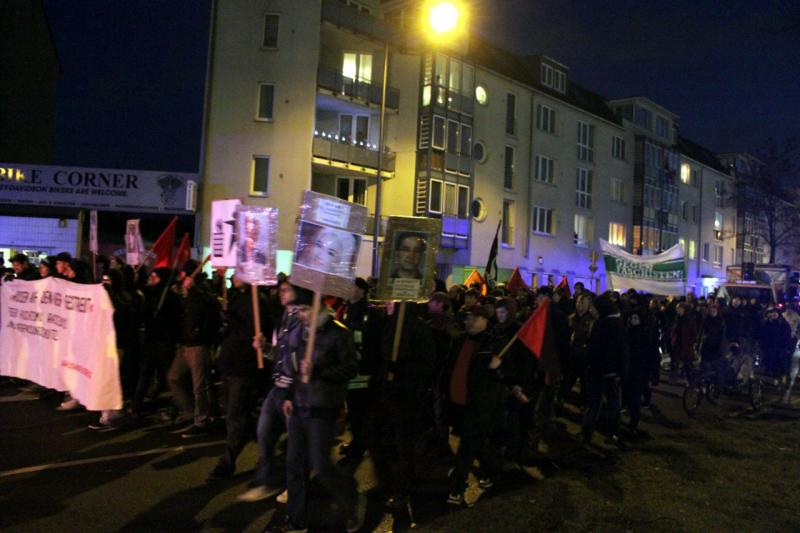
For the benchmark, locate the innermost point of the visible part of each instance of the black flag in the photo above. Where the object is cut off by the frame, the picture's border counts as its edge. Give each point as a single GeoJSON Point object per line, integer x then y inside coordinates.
{"type": "Point", "coordinates": [491, 264]}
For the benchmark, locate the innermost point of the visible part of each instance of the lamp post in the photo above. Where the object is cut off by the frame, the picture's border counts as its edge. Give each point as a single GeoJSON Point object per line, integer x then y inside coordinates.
{"type": "Point", "coordinates": [443, 19]}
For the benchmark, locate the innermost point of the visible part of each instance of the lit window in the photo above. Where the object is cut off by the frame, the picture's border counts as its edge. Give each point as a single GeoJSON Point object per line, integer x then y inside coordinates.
{"type": "Point", "coordinates": [686, 173]}
{"type": "Point", "coordinates": [617, 234]}
{"type": "Point", "coordinates": [481, 95]}
{"type": "Point", "coordinates": [692, 249]}
{"type": "Point", "coordinates": [508, 223]}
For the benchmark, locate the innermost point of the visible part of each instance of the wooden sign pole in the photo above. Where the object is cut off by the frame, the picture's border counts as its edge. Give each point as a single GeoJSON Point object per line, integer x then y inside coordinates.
{"type": "Point", "coordinates": [312, 336]}
{"type": "Point", "coordinates": [256, 323]}
{"type": "Point", "coordinates": [401, 317]}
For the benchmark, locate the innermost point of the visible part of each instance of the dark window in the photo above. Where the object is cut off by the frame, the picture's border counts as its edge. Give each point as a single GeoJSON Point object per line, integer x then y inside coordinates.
{"type": "Point", "coordinates": [266, 98]}
{"type": "Point", "coordinates": [271, 31]}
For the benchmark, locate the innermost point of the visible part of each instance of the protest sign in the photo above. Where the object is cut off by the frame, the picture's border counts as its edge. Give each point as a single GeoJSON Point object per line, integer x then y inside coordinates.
{"type": "Point", "coordinates": [223, 233]}
{"type": "Point", "coordinates": [134, 245]}
{"type": "Point", "coordinates": [408, 258]}
{"type": "Point", "coordinates": [44, 339]}
{"type": "Point", "coordinates": [664, 273]}
{"type": "Point", "coordinates": [257, 244]}
{"type": "Point", "coordinates": [329, 233]}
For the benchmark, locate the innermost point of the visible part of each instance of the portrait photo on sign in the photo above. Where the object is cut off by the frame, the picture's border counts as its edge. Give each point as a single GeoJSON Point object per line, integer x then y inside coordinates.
{"type": "Point", "coordinates": [327, 250]}
{"type": "Point", "coordinates": [408, 258]}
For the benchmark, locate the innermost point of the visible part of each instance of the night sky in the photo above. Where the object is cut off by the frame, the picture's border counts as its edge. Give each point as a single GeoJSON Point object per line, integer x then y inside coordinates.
{"type": "Point", "coordinates": [132, 73]}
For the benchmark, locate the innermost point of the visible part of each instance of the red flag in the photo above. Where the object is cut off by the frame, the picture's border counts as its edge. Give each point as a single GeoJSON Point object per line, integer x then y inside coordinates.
{"type": "Point", "coordinates": [534, 330]}
{"type": "Point", "coordinates": [515, 282]}
{"type": "Point", "coordinates": [564, 284]}
{"type": "Point", "coordinates": [474, 278]}
{"type": "Point", "coordinates": [162, 248]}
{"type": "Point", "coordinates": [183, 254]}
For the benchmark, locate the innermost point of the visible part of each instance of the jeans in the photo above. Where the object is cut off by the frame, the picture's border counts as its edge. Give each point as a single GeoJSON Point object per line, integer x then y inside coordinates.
{"type": "Point", "coordinates": [476, 442]}
{"type": "Point", "coordinates": [238, 393]}
{"type": "Point", "coordinates": [598, 387]}
{"type": "Point", "coordinates": [271, 425]}
{"type": "Point", "coordinates": [157, 356]}
{"type": "Point", "coordinates": [197, 361]}
{"type": "Point", "coordinates": [310, 442]}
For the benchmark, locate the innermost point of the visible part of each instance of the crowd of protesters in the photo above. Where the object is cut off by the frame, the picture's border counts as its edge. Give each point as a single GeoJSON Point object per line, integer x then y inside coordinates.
{"type": "Point", "coordinates": [443, 377]}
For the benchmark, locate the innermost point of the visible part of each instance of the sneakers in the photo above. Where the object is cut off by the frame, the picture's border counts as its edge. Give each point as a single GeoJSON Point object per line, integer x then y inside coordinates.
{"type": "Point", "coordinates": [221, 471]}
{"type": "Point", "coordinates": [283, 497]}
{"type": "Point", "coordinates": [194, 431]}
{"type": "Point", "coordinates": [69, 405]}
{"type": "Point", "coordinates": [533, 471]}
{"type": "Point", "coordinates": [355, 522]}
{"type": "Point", "coordinates": [258, 493]}
{"type": "Point", "coordinates": [103, 426]}
{"type": "Point", "coordinates": [458, 500]}
{"type": "Point", "coordinates": [486, 483]}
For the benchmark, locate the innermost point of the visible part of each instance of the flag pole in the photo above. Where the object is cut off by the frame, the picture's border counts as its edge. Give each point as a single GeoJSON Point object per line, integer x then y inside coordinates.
{"type": "Point", "coordinates": [507, 346]}
{"type": "Point", "coordinates": [312, 336]}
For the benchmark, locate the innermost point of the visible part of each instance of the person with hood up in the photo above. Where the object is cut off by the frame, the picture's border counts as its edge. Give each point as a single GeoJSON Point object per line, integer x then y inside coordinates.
{"type": "Point", "coordinates": [608, 363]}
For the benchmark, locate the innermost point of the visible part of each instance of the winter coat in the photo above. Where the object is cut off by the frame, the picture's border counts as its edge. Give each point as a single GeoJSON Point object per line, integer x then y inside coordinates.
{"type": "Point", "coordinates": [776, 343]}
{"type": "Point", "coordinates": [162, 325]}
{"type": "Point", "coordinates": [237, 356]}
{"type": "Point", "coordinates": [683, 338]}
{"type": "Point", "coordinates": [712, 338]}
{"type": "Point", "coordinates": [486, 393]}
{"type": "Point", "coordinates": [412, 372]}
{"type": "Point", "coordinates": [736, 324]}
{"type": "Point", "coordinates": [334, 364]}
{"type": "Point", "coordinates": [581, 327]}
{"type": "Point", "coordinates": [608, 347]}
{"type": "Point", "coordinates": [201, 317]}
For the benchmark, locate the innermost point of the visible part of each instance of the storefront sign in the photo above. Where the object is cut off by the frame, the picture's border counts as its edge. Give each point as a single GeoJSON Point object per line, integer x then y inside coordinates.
{"type": "Point", "coordinates": [98, 188]}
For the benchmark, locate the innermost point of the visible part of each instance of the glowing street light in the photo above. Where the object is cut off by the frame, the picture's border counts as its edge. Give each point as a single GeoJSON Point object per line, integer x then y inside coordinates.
{"type": "Point", "coordinates": [443, 17]}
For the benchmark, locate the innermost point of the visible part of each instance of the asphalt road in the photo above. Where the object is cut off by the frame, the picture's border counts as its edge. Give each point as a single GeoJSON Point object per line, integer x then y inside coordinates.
{"type": "Point", "coordinates": [58, 475]}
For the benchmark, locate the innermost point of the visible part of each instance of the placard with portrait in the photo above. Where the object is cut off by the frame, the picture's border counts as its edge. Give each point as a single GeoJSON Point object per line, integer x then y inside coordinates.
{"type": "Point", "coordinates": [408, 258]}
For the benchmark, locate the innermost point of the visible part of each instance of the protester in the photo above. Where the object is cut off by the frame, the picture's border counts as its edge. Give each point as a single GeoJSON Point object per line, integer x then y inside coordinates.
{"type": "Point", "coordinates": [317, 393]}
{"type": "Point", "coordinates": [23, 269]}
{"type": "Point", "coordinates": [199, 330]}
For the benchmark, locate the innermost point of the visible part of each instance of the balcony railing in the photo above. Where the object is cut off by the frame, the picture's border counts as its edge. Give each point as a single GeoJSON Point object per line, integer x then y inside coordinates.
{"type": "Point", "coordinates": [336, 82]}
{"type": "Point", "coordinates": [363, 157]}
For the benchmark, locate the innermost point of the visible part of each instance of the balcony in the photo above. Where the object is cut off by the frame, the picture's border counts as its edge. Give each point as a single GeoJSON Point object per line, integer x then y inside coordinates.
{"type": "Point", "coordinates": [332, 80]}
{"type": "Point", "coordinates": [455, 232]}
{"type": "Point", "coordinates": [332, 150]}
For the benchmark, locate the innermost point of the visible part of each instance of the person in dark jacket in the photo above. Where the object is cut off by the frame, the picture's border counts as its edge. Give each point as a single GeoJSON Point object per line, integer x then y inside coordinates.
{"type": "Point", "coordinates": [200, 317]}
{"type": "Point", "coordinates": [270, 472]}
{"type": "Point", "coordinates": [580, 324]}
{"type": "Point", "coordinates": [608, 362]}
{"type": "Point", "coordinates": [23, 269]}
{"type": "Point", "coordinates": [776, 344]}
{"type": "Point", "coordinates": [161, 316]}
{"type": "Point", "coordinates": [712, 343]}
{"type": "Point", "coordinates": [312, 405]}
{"type": "Point", "coordinates": [354, 315]}
{"type": "Point", "coordinates": [477, 399]}
{"type": "Point", "coordinates": [400, 386]}
{"type": "Point", "coordinates": [643, 355]}
{"type": "Point", "coordinates": [238, 366]}
{"type": "Point", "coordinates": [683, 340]}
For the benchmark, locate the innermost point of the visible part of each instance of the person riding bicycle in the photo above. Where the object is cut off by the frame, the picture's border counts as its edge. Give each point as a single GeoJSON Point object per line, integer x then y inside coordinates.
{"type": "Point", "coordinates": [712, 345]}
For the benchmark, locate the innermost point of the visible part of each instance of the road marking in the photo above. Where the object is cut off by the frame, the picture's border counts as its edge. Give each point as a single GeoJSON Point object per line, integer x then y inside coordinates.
{"type": "Point", "coordinates": [78, 462]}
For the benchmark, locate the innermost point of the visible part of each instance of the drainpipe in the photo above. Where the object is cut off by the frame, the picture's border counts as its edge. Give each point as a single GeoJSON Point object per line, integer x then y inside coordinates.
{"type": "Point", "coordinates": [204, 130]}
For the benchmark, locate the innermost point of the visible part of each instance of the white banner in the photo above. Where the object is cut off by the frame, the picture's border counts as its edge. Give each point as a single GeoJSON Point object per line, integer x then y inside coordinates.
{"type": "Point", "coordinates": [60, 335]}
{"type": "Point", "coordinates": [664, 273]}
{"type": "Point", "coordinates": [223, 233]}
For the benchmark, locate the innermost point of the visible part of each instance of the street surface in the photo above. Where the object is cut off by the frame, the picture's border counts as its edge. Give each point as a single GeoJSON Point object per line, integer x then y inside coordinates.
{"type": "Point", "coordinates": [726, 469]}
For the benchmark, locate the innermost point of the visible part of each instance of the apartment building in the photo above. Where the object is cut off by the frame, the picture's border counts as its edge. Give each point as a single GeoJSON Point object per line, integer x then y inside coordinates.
{"type": "Point", "coordinates": [708, 217]}
{"type": "Point", "coordinates": [473, 135]}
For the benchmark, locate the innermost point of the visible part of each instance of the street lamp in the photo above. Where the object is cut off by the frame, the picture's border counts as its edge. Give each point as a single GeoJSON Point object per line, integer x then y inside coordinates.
{"type": "Point", "coordinates": [442, 19]}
